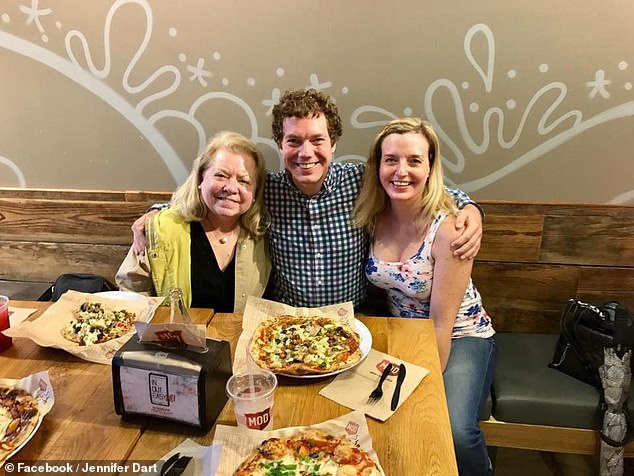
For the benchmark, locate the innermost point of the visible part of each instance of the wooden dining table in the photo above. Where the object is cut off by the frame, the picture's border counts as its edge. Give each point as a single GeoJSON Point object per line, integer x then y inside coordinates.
{"type": "Point", "coordinates": [83, 426]}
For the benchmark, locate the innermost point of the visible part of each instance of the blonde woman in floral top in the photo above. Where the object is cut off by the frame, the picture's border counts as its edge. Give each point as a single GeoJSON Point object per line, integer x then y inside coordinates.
{"type": "Point", "coordinates": [411, 220]}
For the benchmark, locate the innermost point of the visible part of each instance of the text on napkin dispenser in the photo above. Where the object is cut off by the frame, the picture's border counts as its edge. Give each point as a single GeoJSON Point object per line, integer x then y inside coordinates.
{"type": "Point", "coordinates": [177, 385]}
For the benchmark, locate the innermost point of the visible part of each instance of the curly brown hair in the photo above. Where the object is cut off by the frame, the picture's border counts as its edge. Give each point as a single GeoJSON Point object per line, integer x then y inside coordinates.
{"type": "Point", "coordinates": [306, 103]}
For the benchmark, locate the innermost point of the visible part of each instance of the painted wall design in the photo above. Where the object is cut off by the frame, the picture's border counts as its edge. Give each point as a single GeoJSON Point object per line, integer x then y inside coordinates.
{"type": "Point", "coordinates": [124, 94]}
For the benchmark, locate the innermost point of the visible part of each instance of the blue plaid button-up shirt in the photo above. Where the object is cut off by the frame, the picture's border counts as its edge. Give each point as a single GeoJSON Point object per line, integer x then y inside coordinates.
{"type": "Point", "coordinates": [318, 256]}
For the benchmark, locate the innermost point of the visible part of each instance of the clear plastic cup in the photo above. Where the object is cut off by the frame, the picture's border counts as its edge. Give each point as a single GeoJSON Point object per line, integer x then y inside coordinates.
{"type": "Point", "coordinates": [252, 394]}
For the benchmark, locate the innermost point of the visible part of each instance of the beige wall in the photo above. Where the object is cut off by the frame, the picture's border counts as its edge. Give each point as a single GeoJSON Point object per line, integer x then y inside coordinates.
{"type": "Point", "coordinates": [534, 100]}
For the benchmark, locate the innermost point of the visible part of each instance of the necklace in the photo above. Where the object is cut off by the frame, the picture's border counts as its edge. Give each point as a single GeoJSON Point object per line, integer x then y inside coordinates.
{"type": "Point", "coordinates": [222, 238]}
{"type": "Point", "coordinates": [227, 237]}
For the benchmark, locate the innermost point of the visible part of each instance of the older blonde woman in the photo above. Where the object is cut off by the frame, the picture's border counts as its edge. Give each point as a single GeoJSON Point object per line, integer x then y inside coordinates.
{"type": "Point", "coordinates": [411, 219]}
{"type": "Point", "coordinates": [210, 241]}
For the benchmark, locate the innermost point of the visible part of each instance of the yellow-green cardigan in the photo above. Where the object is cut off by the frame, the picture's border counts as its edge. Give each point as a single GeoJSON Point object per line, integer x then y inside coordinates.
{"type": "Point", "coordinates": [167, 262]}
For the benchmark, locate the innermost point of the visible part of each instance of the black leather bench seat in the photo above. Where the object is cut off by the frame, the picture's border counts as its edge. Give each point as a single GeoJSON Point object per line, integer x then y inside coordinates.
{"type": "Point", "coordinates": [527, 391]}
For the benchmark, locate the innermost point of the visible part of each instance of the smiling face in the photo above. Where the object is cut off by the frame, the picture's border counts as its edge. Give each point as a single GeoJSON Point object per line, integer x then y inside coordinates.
{"type": "Point", "coordinates": [228, 185]}
{"type": "Point", "coordinates": [307, 151]}
{"type": "Point", "coordinates": [404, 167]}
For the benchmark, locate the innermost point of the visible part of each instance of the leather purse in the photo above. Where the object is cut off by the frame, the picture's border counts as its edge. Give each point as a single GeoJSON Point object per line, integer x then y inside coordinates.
{"type": "Point", "coordinates": [83, 282]}
{"type": "Point", "coordinates": [585, 331]}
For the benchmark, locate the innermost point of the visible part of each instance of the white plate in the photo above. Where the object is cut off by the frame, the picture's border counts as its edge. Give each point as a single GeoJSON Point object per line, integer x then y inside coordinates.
{"type": "Point", "coordinates": [120, 295]}
{"type": "Point", "coordinates": [365, 344]}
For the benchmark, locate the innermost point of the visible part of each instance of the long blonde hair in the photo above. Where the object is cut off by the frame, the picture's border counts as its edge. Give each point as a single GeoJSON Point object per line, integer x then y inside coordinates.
{"type": "Point", "coordinates": [373, 199]}
{"type": "Point", "coordinates": [187, 200]}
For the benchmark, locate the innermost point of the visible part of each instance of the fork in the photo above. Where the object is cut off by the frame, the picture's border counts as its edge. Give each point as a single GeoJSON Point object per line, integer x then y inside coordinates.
{"type": "Point", "coordinates": [377, 393]}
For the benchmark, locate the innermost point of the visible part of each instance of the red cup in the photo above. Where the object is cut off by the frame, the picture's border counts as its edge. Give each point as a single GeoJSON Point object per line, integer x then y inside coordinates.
{"type": "Point", "coordinates": [5, 341]}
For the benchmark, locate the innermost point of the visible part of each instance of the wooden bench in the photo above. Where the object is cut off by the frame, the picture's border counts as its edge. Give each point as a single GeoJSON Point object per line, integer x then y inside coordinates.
{"type": "Point", "coordinates": [534, 258]}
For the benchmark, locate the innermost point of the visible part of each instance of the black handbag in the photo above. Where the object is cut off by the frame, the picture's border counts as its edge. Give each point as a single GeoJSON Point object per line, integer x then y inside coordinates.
{"type": "Point", "coordinates": [85, 283]}
{"type": "Point", "coordinates": [585, 331]}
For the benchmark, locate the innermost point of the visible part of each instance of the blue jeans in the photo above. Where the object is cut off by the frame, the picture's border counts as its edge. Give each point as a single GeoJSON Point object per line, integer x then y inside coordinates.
{"type": "Point", "coordinates": [468, 379]}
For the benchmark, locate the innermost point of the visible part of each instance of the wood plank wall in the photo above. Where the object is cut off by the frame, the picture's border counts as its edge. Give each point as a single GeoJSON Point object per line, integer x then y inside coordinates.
{"type": "Point", "coordinates": [45, 233]}
{"type": "Point", "coordinates": [533, 258]}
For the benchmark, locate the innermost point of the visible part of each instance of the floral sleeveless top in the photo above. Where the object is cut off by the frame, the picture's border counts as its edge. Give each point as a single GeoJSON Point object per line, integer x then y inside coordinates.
{"type": "Point", "coordinates": [409, 284]}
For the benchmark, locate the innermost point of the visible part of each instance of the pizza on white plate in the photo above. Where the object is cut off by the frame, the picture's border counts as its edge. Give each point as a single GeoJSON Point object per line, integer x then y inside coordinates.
{"type": "Point", "coordinates": [308, 453]}
{"type": "Point", "coordinates": [94, 324]}
{"type": "Point", "coordinates": [304, 345]}
{"type": "Point", "coordinates": [18, 418]}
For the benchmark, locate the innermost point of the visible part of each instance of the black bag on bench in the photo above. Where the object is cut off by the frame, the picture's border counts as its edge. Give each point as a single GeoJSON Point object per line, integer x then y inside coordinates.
{"type": "Point", "coordinates": [85, 283]}
{"type": "Point", "coordinates": [585, 331]}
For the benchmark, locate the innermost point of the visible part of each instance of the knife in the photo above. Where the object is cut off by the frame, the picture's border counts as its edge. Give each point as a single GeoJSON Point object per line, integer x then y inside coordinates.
{"type": "Point", "coordinates": [397, 390]}
{"type": "Point", "coordinates": [175, 465]}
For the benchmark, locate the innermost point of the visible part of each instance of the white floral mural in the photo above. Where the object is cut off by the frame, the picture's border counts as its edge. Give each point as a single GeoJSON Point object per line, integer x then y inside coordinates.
{"type": "Point", "coordinates": [123, 94]}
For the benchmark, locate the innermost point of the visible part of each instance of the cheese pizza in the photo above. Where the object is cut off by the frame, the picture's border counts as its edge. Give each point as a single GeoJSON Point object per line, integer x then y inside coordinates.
{"type": "Point", "coordinates": [309, 452]}
{"type": "Point", "coordinates": [93, 324]}
{"type": "Point", "coordinates": [18, 418]}
{"type": "Point", "coordinates": [304, 345]}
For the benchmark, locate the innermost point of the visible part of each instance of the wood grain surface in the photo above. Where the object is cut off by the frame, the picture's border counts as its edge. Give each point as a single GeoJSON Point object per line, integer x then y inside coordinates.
{"type": "Point", "coordinates": [45, 233]}
{"type": "Point", "coordinates": [535, 257]}
{"type": "Point", "coordinates": [415, 440]}
{"type": "Point", "coordinates": [82, 425]}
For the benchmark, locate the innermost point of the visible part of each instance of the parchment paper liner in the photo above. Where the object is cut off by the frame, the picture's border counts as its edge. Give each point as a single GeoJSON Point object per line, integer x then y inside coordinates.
{"type": "Point", "coordinates": [238, 443]}
{"type": "Point", "coordinates": [46, 330]}
{"type": "Point", "coordinates": [258, 310]}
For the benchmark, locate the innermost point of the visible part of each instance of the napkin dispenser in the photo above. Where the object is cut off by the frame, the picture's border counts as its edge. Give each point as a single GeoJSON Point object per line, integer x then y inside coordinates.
{"type": "Point", "coordinates": [171, 384]}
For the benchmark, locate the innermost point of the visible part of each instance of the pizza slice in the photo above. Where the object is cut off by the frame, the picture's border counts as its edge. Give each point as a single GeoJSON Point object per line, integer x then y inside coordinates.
{"type": "Point", "coordinates": [93, 324]}
{"type": "Point", "coordinates": [308, 453]}
{"type": "Point", "coordinates": [19, 416]}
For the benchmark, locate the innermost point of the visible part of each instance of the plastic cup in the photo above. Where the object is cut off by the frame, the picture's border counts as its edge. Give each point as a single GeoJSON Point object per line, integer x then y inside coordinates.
{"type": "Point", "coordinates": [252, 394]}
{"type": "Point", "coordinates": [5, 341]}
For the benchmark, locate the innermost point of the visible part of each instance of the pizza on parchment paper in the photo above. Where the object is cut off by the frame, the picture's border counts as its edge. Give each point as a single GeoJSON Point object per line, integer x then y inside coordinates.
{"type": "Point", "coordinates": [308, 452]}
{"type": "Point", "coordinates": [18, 418]}
{"type": "Point", "coordinates": [304, 345]}
{"type": "Point", "coordinates": [93, 324]}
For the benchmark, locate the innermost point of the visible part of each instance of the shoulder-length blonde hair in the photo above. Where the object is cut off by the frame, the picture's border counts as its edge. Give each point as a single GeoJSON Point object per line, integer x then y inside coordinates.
{"type": "Point", "coordinates": [187, 200]}
{"type": "Point", "coordinates": [373, 200]}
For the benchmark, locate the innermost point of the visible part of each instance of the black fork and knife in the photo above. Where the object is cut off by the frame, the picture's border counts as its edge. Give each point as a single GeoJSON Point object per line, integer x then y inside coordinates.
{"type": "Point", "coordinates": [377, 393]}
